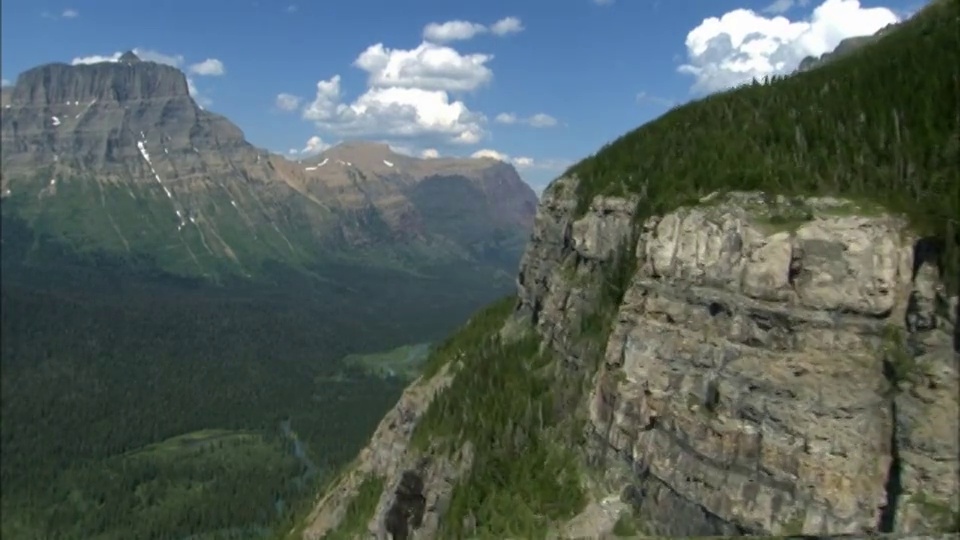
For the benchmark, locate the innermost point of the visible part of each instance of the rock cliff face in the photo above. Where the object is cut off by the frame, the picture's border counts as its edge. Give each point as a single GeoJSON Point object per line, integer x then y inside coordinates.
{"type": "Point", "coordinates": [777, 366]}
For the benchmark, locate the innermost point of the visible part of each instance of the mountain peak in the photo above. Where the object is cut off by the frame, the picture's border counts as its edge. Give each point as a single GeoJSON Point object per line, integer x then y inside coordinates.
{"type": "Point", "coordinates": [129, 57]}
{"type": "Point", "coordinates": [129, 79]}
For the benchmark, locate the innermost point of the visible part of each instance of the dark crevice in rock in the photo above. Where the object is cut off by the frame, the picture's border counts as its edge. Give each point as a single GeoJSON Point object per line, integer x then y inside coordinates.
{"type": "Point", "coordinates": [408, 506]}
{"type": "Point", "coordinates": [716, 308]}
{"type": "Point", "coordinates": [894, 485]}
{"type": "Point", "coordinates": [927, 250]}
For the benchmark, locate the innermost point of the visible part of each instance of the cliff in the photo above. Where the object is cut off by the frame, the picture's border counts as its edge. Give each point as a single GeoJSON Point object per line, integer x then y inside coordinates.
{"type": "Point", "coordinates": [740, 318]}
{"type": "Point", "coordinates": [776, 366]}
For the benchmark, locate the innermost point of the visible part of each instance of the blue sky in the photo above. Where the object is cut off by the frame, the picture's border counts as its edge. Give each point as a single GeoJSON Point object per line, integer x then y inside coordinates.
{"type": "Point", "coordinates": [540, 83]}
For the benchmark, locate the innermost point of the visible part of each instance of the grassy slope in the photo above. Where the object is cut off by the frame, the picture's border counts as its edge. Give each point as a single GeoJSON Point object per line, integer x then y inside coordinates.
{"type": "Point", "coordinates": [833, 130]}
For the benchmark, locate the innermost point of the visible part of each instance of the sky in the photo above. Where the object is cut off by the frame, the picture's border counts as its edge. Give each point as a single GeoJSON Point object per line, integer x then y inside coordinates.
{"type": "Point", "coordinates": [538, 83]}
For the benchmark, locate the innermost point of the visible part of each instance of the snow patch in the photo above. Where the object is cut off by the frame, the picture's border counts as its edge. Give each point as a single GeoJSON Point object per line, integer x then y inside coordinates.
{"type": "Point", "coordinates": [56, 121]}
{"type": "Point", "coordinates": [309, 168]}
{"type": "Point", "coordinates": [234, 203]}
{"type": "Point", "coordinates": [144, 153]}
{"type": "Point", "coordinates": [324, 162]}
{"type": "Point", "coordinates": [387, 163]}
{"type": "Point", "coordinates": [165, 151]}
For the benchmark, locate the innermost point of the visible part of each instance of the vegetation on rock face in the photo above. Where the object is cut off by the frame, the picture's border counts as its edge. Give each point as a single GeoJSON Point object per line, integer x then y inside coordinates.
{"type": "Point", "coordinates": [501, 402]}
{"type": "Point", "coordinates": [882, 123]}
{"type": "Point", "coordinates": [359, 510]}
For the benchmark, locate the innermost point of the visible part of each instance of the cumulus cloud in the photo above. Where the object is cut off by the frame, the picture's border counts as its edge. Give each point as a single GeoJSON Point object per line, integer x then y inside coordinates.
{"type": "Point", "coordinates": [452, 31]}
{"type": "Point", "coordinates": [741, 44]}
{"type": "Point", "coordinates": [507, 26]}
{"type": "Point", "coordinates": [430, 153]}
{"type": "Point", "coordinates": [147, 55]}
{"type": "Point", "coordinates": [429, 67]}
{"type": "Point", "coordinates": [288, 102]}
{"type": "Point", "coordinates": [393, 112]}
{"type": "Point", "coordinates": [314, 146]}
{"type": "Point", "coordinates": [70, 14]}
{"type": "Point", "coordinates": [539, 120]}
{"type": "Point", "coordinates": [521, 162]}
{"type": "Point", "coordinates": [407, 96]}
{"type": "Point", "coordinates": [210, 67]}
{"type": "Point", "coordinates": [458, 30]}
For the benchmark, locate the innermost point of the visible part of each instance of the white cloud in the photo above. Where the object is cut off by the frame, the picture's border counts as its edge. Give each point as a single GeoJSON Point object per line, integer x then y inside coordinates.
{"type": "Point", "coordinates": [493, 154]}
{"type": "Point", "coordinates": [452, 31]}
{"type": "Point", "coordinates": [542, 120]}
{"type": "Point", "coordinates": [147, 55]}
{"type": "Point", "coordinates": [458, 30]}
{"type": "Point", "coordinates": [603, 2]}
{"type": "Point", "coordinates": [210, 67]}
{"type": "Point", "coordinates": [393, 112]}
{"type": "Point", "coordinates": [5, 82]}
{"type": "Point", "coordinates": [288, 102]}
{"type": "Point", "coordinates": [314, 146]}
{"type": "Point", "coordinates": [429, 67]}
{"type": "Point", "coordinates": [740, 45]}
{"type": "Point", "coordinates": [522, 162]}
{"type": "Point", "coordinates": [407, 96]}
{"type": "Point", "coordinates": [506, 26]}
{"type": "Point", "coordinates": [70, 14]}
{"type": "Point", "coordinates": [539, 120]}
{"type": "Point", "coordinates": [430, 153]}
{"type": "Point", "coordinates": [292, 8]}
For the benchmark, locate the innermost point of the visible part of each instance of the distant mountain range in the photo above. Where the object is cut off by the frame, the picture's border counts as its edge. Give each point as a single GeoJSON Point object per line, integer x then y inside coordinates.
{"type": "Point", "coordinates": [116, 157]}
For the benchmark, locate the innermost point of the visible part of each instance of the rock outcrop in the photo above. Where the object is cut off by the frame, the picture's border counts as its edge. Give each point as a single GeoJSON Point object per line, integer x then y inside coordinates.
{"type": "Point", "coordinates": [776, 366]}
{"type": "Point", "coordinates": [416, 485]}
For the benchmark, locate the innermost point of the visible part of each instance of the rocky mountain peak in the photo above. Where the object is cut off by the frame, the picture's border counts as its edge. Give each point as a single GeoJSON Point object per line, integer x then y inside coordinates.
{"type": "Point", "coordinates": [126, 80]}
{"type": "Point", "coordinates": [129, 57]}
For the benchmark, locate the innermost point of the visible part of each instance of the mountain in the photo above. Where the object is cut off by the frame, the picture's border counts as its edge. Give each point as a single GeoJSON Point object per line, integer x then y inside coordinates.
{"type": "Point", "coordinates": [117, 157]}
{"type": "Point", "coordinates": [178, 305]}
{"type": "Point", "coordinates": [741, 318]}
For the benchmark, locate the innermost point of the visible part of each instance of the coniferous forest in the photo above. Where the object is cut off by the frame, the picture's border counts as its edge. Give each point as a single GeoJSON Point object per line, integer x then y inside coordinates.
{"type": "Point", "coordinates": [139, 405]}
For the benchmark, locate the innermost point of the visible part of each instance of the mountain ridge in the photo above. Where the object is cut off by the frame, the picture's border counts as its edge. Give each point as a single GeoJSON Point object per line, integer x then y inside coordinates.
{"type": "Point", "coordinates": [128, 133]}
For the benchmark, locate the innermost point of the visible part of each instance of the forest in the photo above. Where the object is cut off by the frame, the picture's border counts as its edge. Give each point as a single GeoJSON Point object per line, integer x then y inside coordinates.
{"type": "Point", "coordinates": [881, 123]}
{"type": "Point", "coordinates": [139, 405]}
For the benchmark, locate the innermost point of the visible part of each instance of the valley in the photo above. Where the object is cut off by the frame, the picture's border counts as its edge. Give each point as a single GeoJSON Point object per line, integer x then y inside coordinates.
{"type": "Point", "coordinates": [177, 305]}
{"type": "Point", "coordinates": [741, 318]}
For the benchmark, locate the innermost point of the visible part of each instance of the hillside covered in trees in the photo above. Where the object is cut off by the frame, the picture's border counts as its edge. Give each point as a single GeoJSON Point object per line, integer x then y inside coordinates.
{"type": "Point", "coordinates": [880, 125]}
{"type": "Point", "coordinates": [136, 404]}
